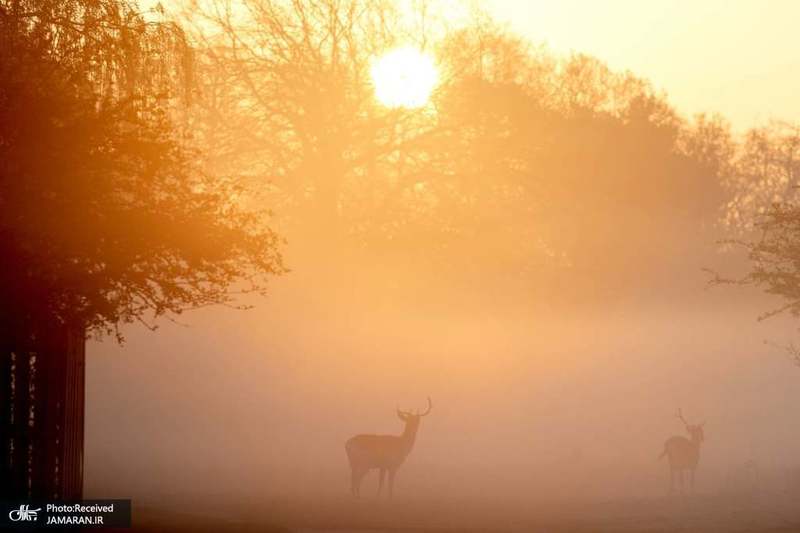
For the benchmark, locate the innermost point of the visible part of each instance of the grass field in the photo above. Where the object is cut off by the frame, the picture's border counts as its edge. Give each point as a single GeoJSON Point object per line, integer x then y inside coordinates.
{"type": "Point", "coordinates": [702, 513]}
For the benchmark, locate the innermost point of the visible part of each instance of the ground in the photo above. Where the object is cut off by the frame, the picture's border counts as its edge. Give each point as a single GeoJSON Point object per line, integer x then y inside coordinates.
{"type": "Point", "coordinates": [706, 513]}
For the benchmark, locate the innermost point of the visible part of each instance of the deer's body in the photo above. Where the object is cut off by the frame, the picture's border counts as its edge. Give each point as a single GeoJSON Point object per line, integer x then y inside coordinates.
{"type": "Point", "coordinates": [683, 454]}
{"type": "Point", "coordinates": [378, 451]}
{"type": "Point", "coordinates": [385, 453]}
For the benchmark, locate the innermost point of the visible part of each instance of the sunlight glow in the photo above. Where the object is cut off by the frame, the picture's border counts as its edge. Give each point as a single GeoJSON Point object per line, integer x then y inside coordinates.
{"type": "Point", "coordinates": [404, 77]}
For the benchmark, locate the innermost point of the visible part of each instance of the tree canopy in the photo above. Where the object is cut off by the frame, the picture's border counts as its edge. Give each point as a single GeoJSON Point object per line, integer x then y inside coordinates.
{"type": "Point", "coordinates": [523, 161]}
{"type": "Point", "coordinates": [172, 139]}
{"type": "Point", "coordinates": [106, 217]}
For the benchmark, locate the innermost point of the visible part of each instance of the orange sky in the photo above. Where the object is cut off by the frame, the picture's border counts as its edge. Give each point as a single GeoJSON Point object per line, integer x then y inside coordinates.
{"type": "Point", "coordinates": [737, 57]}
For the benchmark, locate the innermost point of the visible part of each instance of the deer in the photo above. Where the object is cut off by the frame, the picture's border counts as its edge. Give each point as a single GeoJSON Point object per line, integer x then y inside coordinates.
{"type": "Point", "coordinates": [682, 453]}
{"type": "Point", "coordinates": [383, 452]}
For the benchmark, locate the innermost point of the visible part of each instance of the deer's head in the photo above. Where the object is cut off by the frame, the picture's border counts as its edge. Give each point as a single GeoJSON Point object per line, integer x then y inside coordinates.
{"type": "Point", "coordinates": [412, 419]}
{"type": "Point", "coordinates": [695, 431]}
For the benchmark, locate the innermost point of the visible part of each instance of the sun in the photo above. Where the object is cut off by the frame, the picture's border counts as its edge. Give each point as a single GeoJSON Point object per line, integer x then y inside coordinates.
{"type": "Point", "coordinates": [404, 77]}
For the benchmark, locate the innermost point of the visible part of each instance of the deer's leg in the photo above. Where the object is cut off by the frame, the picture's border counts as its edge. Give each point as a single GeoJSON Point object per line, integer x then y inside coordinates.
{"type": "Point", "coordinates": [680, 479]}
{"type": "Point", "coordinates": [671, 480]}
{"type": "Point", "coordinates": [691, 478]}
{"type": "Point", "coordinates": [353, 479]}
{"type": "Point", "coordinates": [380, 480]}
{"type": "Point", "coordinates": [391, 482]}
{"type": "Point", "coordinates": [356, 475]}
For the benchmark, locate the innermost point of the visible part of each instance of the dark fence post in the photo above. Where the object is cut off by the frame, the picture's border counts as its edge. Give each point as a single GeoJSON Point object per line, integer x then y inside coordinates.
{"type": "Point", "coordinates": [42, 413]}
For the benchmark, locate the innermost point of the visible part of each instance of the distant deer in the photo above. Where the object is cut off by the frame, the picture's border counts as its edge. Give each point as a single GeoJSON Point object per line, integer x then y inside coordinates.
{"type": "Point", "coordinates": [384, 452]}
{"type": "Point", "coordinates": [682, 453]}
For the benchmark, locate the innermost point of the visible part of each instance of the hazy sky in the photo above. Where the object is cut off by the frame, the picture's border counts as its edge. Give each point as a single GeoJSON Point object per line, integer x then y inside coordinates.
{"type": "Point", "coordinates": [569, 395]}
{"type": "Point", "coordinates": [736, 57]}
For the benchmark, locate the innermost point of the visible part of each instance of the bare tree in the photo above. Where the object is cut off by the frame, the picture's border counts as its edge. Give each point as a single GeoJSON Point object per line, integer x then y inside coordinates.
{"type": "Point", "coordinates": [765, 172]}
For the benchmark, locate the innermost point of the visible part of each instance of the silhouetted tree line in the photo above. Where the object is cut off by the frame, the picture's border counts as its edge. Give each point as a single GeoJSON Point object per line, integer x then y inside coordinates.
{"type": "Point", "coordinates": [525, 165]}
{"type": "Point", "coordinates": [141, 153]}
{"type": "Point", "coordinates": [545, 165]}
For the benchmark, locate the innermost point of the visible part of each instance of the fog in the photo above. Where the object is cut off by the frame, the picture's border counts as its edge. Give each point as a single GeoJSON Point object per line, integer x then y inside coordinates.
{"type": "Point", "coordinates": [533, 401]}
{"type": "Point", "coordinates": [311, 220]}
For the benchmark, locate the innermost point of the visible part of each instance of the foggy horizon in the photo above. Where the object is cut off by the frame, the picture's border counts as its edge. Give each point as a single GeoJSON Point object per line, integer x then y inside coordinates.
{"type": "Point", "coordinates": [425, 265]}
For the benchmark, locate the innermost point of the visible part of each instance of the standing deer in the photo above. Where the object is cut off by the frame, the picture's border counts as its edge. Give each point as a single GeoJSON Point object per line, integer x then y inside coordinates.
{"type": "Point", "coordinates": [384, 452]}
{"type": "Point", "coordinates": [682, 453]}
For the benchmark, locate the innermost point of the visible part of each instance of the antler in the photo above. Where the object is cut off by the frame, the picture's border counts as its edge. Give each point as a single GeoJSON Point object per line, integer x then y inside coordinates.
{"type": "Point", "coordinates": [430, 406]}
{"type": "Point", "coordinates": [416, 412]}
{"type": "Point", "coordinates": [680, 415]}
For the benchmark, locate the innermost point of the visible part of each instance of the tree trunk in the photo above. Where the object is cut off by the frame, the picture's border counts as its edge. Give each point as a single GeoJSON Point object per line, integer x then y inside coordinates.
{"type": "Point", "coordinates": [41, 412]}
